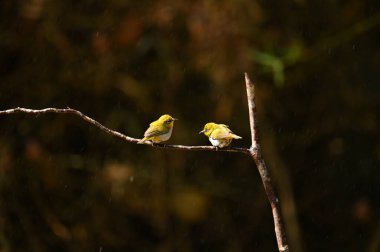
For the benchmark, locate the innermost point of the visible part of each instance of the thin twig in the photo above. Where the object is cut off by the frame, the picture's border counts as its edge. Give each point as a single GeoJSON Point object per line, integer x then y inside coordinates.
{"type": "Point", "coordinates": [252, 110]}
{"type": "Point", "coordinates": [116, 133]}
{"type": "Point", "coordinates": [255, 152]}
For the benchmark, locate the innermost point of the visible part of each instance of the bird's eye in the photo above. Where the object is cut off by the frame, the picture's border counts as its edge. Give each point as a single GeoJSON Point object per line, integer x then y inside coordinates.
{"type": "Point", "coordinates": [168, 121]}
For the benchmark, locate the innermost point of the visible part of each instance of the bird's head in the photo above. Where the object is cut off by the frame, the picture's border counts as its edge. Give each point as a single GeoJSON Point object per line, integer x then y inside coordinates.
{"type": "Point", "coordinates": [167, 120]}
{"type": "Point", "coordinates": [208, 128]}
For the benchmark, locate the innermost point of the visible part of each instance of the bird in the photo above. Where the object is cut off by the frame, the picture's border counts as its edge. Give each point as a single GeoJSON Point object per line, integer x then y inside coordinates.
{"type": "Point", "coordinates": [219, 134]}
{"type": "Point", "coordinates": [159, 130]}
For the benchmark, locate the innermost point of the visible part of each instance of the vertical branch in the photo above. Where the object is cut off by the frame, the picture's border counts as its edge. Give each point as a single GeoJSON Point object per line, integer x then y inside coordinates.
{"type": "Point", "coordinates": [252, 110]}
{"type": "Point", "coordinates": [255, 153]}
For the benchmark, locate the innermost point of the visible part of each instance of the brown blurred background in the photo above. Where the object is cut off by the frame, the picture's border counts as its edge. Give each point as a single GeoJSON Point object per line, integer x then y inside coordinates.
{"type": "Point", "coordinates": [67, 186]}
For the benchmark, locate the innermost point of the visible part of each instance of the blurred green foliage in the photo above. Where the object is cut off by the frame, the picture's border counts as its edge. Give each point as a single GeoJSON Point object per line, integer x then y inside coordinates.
{"type": "Point", "coordinates": [66, 186]}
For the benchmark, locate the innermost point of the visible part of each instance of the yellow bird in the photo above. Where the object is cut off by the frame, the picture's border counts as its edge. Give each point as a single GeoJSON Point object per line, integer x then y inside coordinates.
{"type": "Point", "coordinates": [159, 130]}
{"type": "Point", "coordinates": [219, 134]}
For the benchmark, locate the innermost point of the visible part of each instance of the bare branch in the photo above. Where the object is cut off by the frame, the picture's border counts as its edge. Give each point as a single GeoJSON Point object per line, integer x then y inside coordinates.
{"type": "Point", "coordinates": [252, 109]}
{"type": "Point", "coordinates": [255, 152]}
{"type": "Point", "coordinates": [116, 133]}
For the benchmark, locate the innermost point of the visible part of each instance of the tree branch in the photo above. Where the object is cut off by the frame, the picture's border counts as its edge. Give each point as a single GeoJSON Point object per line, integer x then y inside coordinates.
{"type": "Point", "coordinates": [116, 133]}
{"type": "Point", "coordinates": [254, 151]}
{"type": "Point", "coordinates": [252, 109]}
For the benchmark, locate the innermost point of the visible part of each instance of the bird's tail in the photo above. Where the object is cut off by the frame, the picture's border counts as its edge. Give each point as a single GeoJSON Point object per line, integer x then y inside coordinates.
{"type": "Point", "coordinates": [142, 141]}
{"type": "Point", "coordinates": [236, 136]}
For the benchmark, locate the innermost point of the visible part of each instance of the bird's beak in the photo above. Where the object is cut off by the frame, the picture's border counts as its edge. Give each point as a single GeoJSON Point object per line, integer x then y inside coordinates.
{"type": "Point", "coordinates": [203, 131]}
{"type": "Point", "coordinates": [175, 119]}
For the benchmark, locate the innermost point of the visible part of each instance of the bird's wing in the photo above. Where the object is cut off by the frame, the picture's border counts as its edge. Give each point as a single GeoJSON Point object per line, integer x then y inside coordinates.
{"type": "Point", "coordinates": [155, 129]}
{"type": "Point", "coordinates": [221, 133]}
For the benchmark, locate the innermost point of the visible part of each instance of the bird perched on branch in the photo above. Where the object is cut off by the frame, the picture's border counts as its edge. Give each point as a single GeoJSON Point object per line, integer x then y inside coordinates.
{"type": "Point", "coordinates": [159, 130]}
{"type": "Point", "coordinates": [219, 134]}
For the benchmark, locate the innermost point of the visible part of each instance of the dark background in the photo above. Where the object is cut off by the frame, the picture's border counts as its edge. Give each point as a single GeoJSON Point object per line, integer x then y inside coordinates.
{"type": "Point", "coordinates": [67, 186]}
